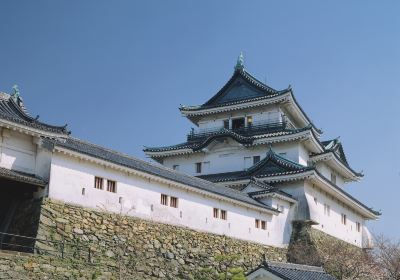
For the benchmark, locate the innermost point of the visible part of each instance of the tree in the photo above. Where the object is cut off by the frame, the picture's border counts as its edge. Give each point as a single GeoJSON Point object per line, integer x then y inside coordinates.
{"type": "Point", "coordinates": [387, 256]}
{"type": "Point", "coordinates": [341, 260]}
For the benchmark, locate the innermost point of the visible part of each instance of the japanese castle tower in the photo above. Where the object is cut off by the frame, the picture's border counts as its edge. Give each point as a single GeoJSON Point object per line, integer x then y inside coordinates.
{"type": "Point", "coordinates": [258, 140]}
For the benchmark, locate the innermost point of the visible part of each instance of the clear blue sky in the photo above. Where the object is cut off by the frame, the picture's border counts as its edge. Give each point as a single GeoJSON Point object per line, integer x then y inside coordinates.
{"type": "Point", "coordinates": [116, 71]}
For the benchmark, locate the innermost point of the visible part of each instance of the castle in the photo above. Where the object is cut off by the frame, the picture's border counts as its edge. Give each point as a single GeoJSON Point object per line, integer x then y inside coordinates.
{"type": "Point", "coordinates": [255, 165]}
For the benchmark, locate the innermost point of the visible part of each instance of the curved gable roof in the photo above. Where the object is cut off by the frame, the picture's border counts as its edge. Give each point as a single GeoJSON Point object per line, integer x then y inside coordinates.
{"type": "Point", "coordinates": [241, 86]}
{"type": "Point", "coordinates": [272, 165]}
{"type": "Point", "coordinates": [14, 111]}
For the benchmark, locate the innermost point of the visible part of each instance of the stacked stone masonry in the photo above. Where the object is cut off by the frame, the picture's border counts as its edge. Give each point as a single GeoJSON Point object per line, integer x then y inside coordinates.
{"type": "Point", "coordinates": [123, 247]}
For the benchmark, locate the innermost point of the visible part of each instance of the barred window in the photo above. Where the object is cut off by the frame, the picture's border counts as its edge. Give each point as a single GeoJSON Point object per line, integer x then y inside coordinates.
{"type": "Point", "coordinates": [98, 183]}
{"type": "Point", "coordinates": [173, 202]}
{"type": "Point", "coordinates": [111, 186]}
{"type": "Point", "coordinates": [256, 159]}
{"type": "Point", "coordinates": [257, 223]}
{"type": "Point", "coordinates": [223, 215]}
{"type": "Point", "coordinates": [215, 213]}
{"type": "Point", "coordinates": [164, 199]}
{"type": "Point", "coordinates": [198, 167]}
{"type": "Point", "coordinates": [263, 225]}
{"type": "Point", "coordinates": [344, 219]}
{"type": "Point", "coordinates": [358, 226]}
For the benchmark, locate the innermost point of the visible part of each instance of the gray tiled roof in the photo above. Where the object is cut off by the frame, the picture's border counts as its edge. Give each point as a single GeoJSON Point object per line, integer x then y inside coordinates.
{"type": "Point", "coordinates": [247, 140]}
{"type": "Point", "coordinates": [157, 170]}
{"type": "Point", "coordinates": [266, 189]}
{"type": "Point", "coordinates": [21, 177]}
{"type": "Point", "coordinates": [290, 271]}
{"type": "Point", "coordinates": [335, 146]}
{"type": "Point", "coordinates": [241, 87]}
{"type": "Point", "coordinates": [11, 111]}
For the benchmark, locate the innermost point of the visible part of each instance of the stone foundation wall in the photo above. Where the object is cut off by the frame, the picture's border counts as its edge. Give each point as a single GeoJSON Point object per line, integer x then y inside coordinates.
{"type": "Point", "coordinates": [123, 247]}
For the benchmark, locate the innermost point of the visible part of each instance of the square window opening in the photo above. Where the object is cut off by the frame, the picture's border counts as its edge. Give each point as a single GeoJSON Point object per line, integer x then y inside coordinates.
{"type": "Point", "coordinates": [111, 186]}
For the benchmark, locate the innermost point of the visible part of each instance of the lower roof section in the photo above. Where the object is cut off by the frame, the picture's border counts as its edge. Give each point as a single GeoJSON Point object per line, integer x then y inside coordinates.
{"type": "Point", "coordinates": [22, 177]}
{"type": "Point", "coordinates": [276, 169]}
{"type": "Point", "coordinates": [267, 137]}
{"type": "Point", "coordinates": [291, 271]}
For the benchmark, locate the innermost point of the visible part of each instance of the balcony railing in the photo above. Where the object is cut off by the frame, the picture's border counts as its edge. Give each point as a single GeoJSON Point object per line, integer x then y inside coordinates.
{"type": "Point", "coordinates": [249, 130]}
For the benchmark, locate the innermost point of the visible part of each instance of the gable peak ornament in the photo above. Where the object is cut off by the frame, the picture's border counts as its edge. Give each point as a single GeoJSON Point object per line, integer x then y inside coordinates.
{"type": "Point", "coordinates": [15, 95]}
{"type": "Point", "coordinates": [240, 62]}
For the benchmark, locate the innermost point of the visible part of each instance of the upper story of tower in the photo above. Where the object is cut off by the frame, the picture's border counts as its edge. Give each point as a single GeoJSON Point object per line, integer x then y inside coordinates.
{"type": "Point", "coordinates": [238, 125]}
{"type": "Point", "coordinates": [247, 106]}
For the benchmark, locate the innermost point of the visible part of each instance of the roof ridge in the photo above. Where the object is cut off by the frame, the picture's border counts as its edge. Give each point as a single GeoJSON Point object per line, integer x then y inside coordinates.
{"type": "Point", "coordinates": [267, 87]}
{"type": "Point", "coordinates": [296, 266]}
{"type": "Point", "coordinates": [271, 155]}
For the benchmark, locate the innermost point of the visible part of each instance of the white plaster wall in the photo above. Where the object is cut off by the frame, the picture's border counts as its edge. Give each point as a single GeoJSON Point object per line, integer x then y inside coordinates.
{"type": "Point", "coordinates": [25, 153]}
{"type": "Point", "coordinates": [18, 152]}
{"type": "Point", "coordinates": [332, 224]}
{"type": "Point", "coordinates": [303, 155]}
{"type": "Point", "coordinates": [296, 190]}
{"type": "Point", "coordinates": [326, 171]}
{"type": "Point", "coordinates": [42, 163]}
{"type": "Point", "coordinates": [229, 156]}
{"type": "Point", "coordinates": [281, 221]}
{"type": "Point", "coordinates": [284, 220]}
{"type": "Point", "coordinates": [141, 198]}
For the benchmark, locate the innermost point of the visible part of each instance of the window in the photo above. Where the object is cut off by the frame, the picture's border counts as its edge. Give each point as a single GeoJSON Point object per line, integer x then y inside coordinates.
{"type": "Point", "coordinates": [215, 213]}
{"type": "Point", "coordinates": [263, 225]}
{"type": "Point", "coordinates": [327, 210]}
{"type": "Point", "coordinates": [358, 227]}
{"type": "Point", "coordinates": [333, 178]}
{"type": "Point", "coordinates": [111, 186]}
{"type": "Point", "coordinates": [257, 223]}
{"type": "Point", "coordinates": [198, 167]}
{"type": "Point", "coordinates": [282, 154]}
{"type": "Point", "coordinates": [344, 219]}
{"type": "Point", "coordinates": [83, 191]}
{"type": "Point", "coordinates": [256, 159]}
{"type": "Point", "coordinates": [175, 167]}
{"type": "Point", "coordinates": [173, 202]}
{"type": "Point", "coordinates": [249, 120]}
{"type": "Point", "coordinates": [223, 215]}
{"type": "Point", "coordinates": [98, 183]}
{"type": "Point", "coordinates": [226, 124]}
{"type": "Point", "coordinates": [164, 199]}
{"type": "Point", "coordinates": [247, 162]}
{"type": "Point", "coordinates": [237, 123]}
